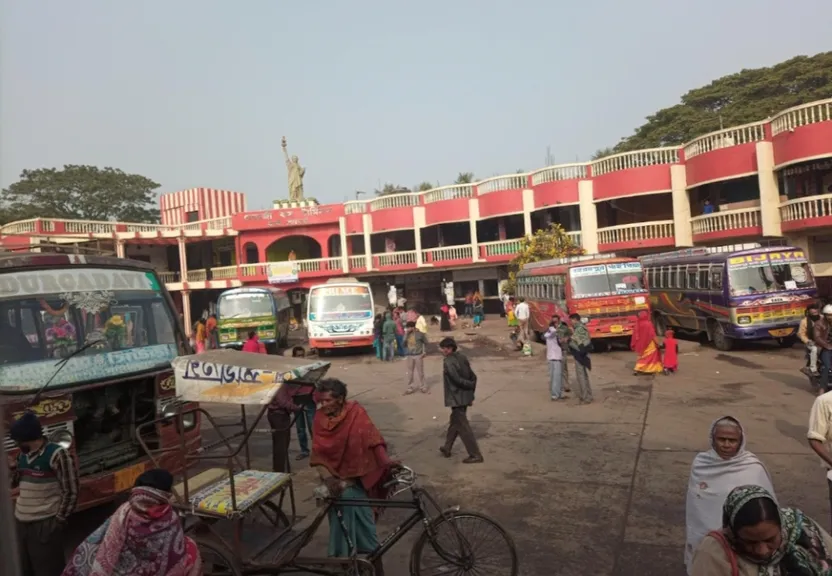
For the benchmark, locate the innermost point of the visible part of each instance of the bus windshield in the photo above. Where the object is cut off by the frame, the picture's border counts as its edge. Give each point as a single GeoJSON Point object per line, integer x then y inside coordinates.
{"type": "Point", "coordinates": [606, 280]}
{"type": "Point", "coordinates": [763, 276]}
{"type": "Point", "coordinates": [46, 315]}
{"type": "Point", "coordinates": [245, 305]}
{"type": "Point", "coordinates": [340, 303]}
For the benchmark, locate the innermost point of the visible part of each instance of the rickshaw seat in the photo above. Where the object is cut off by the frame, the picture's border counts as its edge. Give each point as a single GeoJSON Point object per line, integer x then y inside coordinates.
{"type": "Point", "coordinates": [210, 491]}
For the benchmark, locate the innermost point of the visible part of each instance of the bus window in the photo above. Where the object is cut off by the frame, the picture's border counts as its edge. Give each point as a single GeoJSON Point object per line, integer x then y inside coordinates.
{"type": "Point", "coordinates": [691, 278]}
{"type": "Point", "coordinates": [716, 278]}
{"type": "Point", "coordinates": [704, 278]}
{"type": "Point", "coordinates": [665, 277]}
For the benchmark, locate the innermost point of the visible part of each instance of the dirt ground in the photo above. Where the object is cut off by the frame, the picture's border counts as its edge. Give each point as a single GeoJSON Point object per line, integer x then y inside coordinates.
{"type": "Point", "coordinates": [596, 489]}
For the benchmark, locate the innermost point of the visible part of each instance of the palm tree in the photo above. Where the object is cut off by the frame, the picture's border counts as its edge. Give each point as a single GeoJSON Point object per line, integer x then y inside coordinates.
{"type": "Point", "coordinates": [392, 189]}
{"type": "Point", "coordinates": [425, 186]}
{"type": "Point", "coordinates": [464, 178]}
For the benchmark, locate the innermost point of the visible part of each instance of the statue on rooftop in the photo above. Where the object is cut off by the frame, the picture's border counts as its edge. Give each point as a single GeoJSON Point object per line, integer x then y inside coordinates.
{"type": "Point", "coordinates": [296, 173]}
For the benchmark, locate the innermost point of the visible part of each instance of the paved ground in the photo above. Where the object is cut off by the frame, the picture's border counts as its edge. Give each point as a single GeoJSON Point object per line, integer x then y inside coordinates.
{"type": "Point", "coordinates": [596, 489]}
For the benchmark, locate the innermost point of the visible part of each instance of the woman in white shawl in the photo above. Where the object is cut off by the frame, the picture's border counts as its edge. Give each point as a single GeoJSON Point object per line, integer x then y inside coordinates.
{"type": "Point", "coordinates": [713, 475]}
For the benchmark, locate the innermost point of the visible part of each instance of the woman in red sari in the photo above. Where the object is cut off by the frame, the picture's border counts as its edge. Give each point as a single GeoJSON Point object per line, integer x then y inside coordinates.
{"type": "Point", "coordinates": [351, 457]}
{"type": "Point", "coordinates": [644, 344]}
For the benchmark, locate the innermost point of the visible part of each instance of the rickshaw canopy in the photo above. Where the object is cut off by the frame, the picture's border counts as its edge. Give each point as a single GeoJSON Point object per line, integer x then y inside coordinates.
{"type": "Point", "coordinates": [232, 377]}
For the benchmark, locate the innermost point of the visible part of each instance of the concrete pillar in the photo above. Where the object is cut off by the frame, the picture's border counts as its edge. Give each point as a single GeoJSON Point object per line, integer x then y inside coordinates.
{"type": "Point", "coordinates": [589, 217]}
{"type": "Point", "coordinates": [418, 224]}
{"type": "Point", "coordinates": [681, 205]}
{"type": "Point", "coordinates": [186, 311]}
{"type": "Point", "coordinates": [769, 190]}
{"type": "Point", "coordinates": [473, 218]}
{"type": "Point", "coordinates": [528, 208]}
{"type": "Point", "coordinates": [183, 262]}
{"type": "Point", "coordinates": [367, 225]}
{"type": "Point", "coordinates": [342, 236]}
{"type": "Point", "coordinates": [120, 248]}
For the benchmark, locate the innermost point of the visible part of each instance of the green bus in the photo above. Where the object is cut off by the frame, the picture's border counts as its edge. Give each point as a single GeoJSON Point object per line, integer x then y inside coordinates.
{"type": "Point", "coordinates": [265, 310]}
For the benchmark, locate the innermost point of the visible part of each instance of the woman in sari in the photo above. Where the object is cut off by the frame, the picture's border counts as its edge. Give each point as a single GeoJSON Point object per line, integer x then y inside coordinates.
{"type": "Point", "coordinates": [758, 538]}
{"type": "Point", "coordinates": [143, 537]}
{"type": "Point", "coordinates": [200, 336]}
{"type": "Point", "coordinates": [644, 344]}
{"type": "Point", "coordinates": [512, 319]}
{"type": "Point", "coordinates": [445, 318]}
{"type": "Point", "coordinates": [712, 477]}
{"type": "Point", "coordinates": [351, 457]}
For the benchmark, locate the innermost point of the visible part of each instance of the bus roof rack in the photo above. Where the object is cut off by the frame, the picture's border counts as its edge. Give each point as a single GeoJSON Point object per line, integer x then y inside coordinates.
{"type": "Point", "coordinates": [698, 251]}
{"type": "Point", "coordinates": [568, 260]}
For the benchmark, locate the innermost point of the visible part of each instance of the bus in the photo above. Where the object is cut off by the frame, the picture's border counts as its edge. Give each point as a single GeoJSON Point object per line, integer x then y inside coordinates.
{"type": "Point", "coordinates": [607, 292]}
{"type": "Point", "coordinates": [340, 314]}
{"type": "Point", "coordinates": [265, 310]}
{"type": "Point", "coordinates": [87, 346]}
{"type": "Point", "coordinates": [730, 293]}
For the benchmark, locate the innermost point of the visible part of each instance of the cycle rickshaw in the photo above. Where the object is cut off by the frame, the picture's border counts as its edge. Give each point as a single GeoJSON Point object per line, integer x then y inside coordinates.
{"type": "Point", "coordinates": [235, 513]}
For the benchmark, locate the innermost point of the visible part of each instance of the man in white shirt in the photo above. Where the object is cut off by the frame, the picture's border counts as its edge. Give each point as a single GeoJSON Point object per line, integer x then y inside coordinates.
{"type": "Point", "coordinates": [820, 432]}
{"type": "Point", "coordinates": [521, 312]}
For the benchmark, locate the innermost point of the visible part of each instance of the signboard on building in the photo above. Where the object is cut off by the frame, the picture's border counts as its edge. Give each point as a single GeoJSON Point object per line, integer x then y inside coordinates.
{"type": "Point", "coordinates": [283, 272]}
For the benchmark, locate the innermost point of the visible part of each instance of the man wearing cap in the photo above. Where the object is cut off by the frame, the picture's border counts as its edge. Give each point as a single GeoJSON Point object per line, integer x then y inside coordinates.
{"type": "Point", "coordinates": [48, 482]}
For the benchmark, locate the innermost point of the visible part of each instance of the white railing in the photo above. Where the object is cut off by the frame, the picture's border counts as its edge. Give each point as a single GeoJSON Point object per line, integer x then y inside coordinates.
{"type": "Point", "coordinates": [149, 227]}
{"type": "Point", "coordinates": [449, 193]}
{"type": "Point", "coordinates": [636, 232]}
{"type": "Point", "coordinates": [395, 258]}
{"type": "Point", "coordinates": [355, 207]}
{"type": "Point", "coordinates": [395, 201]}
{"type": "Point", "coordinates": [448, 253]}
{"type": "Point", "coordinates": [90, 227]}
{"type": "Point", "coordinates": [168, 277]}
{"type": "Point", "coordinates": [500, 247]}
{"type": "Point", "coordinates": [221, 223]}
{"type": "Point", "coordinates": [576, 238]}
{"type": "Point", "coordinates": [20, 227]}
{"type": "Point", "coordinates": [318, 264]}
{"type": "Point", "coordinates": [811, 113]}
{"type": "Point", "coordinates": [224, 273]}
{"type": "Point", "coordinates": [499, 183]}
{"type": "Point", "coordinates": [755, 132]}
{"type": "Point", "coordinates": [727, 220]}
{"type": "Point", "coordinates": [806, 208]}
{"type": "Point", "coordinates": [257, 269]}
{"type": "Point", "coordinates": [197, 275]}
{"type": "Point", "coordinates": [359, 261]}
{"type": "Point", "coordinates": [558, 173]}
{"type": "Point", "coordinates": [637, 159]}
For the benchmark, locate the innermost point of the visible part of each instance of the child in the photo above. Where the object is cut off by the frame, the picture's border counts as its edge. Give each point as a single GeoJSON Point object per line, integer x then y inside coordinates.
{"type": "Point", "coordinates": [670, 358]}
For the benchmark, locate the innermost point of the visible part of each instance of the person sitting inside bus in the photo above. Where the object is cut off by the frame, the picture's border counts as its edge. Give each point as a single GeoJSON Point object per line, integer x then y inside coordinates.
{"type": "Point", "coordinates": [253, 344]}
{"type": "Point", "coordinates": [144, 536]}
{"type": "Point", "coordinates": [645, 345]}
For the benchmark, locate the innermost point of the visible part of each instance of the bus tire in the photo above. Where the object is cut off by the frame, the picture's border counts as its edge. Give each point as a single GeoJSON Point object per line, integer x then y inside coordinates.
{"type": "Point", "coordinates": [717, 334]}
{"type": "Point", "coordinates": [787, 342]}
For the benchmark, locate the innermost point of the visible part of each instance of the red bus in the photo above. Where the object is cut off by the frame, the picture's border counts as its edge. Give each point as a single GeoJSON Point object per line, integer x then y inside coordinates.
{"type": "Point", "coordinates": [608, 292]}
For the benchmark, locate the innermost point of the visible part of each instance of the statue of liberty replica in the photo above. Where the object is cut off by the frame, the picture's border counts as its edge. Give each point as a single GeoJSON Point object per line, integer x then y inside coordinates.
{"type": "Point", "coordinates": [296, 173]}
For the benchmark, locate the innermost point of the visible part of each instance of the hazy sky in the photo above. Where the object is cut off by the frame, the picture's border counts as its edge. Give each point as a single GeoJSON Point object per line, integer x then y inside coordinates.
{"type": "Point", "coordinates": [199, 92]}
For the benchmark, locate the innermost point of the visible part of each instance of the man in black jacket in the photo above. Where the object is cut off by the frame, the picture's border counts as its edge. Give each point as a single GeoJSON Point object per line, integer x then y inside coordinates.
{"type": "Point", "coordinates": [460, 384]}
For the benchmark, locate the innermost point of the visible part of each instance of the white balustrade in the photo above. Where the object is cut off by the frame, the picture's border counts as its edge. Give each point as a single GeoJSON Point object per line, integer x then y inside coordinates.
{"type": "Point", "coordinates": [448, 253]}
{"type": "Point", "coordinates": [168, 277]}
{"type": "Point", "coordinates": [755, 132]}
{"type": "Point", "coordinates": [806, 208]}
{"type": "Point", "coordinates": [149, 227]}
{"type": "Point", "coordinates": [499, 183]}
{"type": "Point", "coordinates": [318, 264]}
{"type": "Point", "coordinates": [637, 159]}
{"type": "Point", "coordinates": [355, 207]}
{"type": "Point", "coordinates": [576, 238]}
{"type": "Point", "coordinates": [726, 220]}
{"type": "Point", "coordinates": [20, 227]}
{"type": "Point", "coordinates": [359, 261]}
{"type": "Point", "coordinates": [252, 270]}
{"type": "Point", "coordinates": [395, 201]}
{"type": "Point", "coordinates": [197, 275]}
{"type": "Point", "coordinates": [559, 173]}
{"type": "Point", "coordinates": [500, 248]}
{"type": "Point", "coordinates": [636, 232]}
{"type": "Point", "coordinates": [224, 273]}
{"type": "Point", "coordinates": [395, 258]}
{"type": "Point", "coordinates": [449, 193]}
{"type": "Point", "coordinates": [811, 113]}
{"type": "Point", "coordinates": [89, 227]}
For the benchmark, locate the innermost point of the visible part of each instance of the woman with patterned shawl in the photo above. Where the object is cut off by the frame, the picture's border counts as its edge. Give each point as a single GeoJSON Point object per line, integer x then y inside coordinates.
{"type": "Point", "coordinates": [143, 537]}
{"type": "Point", "coordinates": [351, 457]}
{"type": "Point", "coordinates": [758, 538]}
{"type": "Point", "coordinates": [644, 344]}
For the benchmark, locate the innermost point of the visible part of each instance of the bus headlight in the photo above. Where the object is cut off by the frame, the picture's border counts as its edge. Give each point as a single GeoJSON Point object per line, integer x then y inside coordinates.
{"type": "Point", "coordinates": [171, 410]}
{"type": "Point", "coordinates": [743, 320]}
{"type": "Point", "coordinates": [62, 438]}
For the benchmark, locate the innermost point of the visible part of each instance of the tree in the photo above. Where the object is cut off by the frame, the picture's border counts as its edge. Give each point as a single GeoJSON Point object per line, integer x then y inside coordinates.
{"type": "Point", "coordinates": [81, 192]}
{"type": "Point", "coordinates": [425, 186]}
{"type": "Point", "coordinates": [603, 153]}
{"type": "Point", "coordinates": [392, 189]}
{"type": "Point", "coordinates": [464, 178]}
{"type": "Point", "coordinates": [545, 244]}
{"type": "Point", "coordinates": [741, 98]}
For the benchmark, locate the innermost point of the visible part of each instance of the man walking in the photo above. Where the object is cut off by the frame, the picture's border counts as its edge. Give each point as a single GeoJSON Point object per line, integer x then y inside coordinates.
{"type": "Point", "coordinates": [460, 383]}
{"type": "Point", "coordinates": [48, 482]}
{"type": "Point", "coordinates": [414, 350]}
{"type": "Point", "coordinates": [579, 346]}
{"type": "Point", "coordinates": [554, 356]}
{"type": "Point", "coordinates": [564, 332]}
{"type": "Point", "coordinates": [521, 312]}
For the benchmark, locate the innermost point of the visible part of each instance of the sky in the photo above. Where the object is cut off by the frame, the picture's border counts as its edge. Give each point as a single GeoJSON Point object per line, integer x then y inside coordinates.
{"type": "Point", "coordinates": [199, 92]}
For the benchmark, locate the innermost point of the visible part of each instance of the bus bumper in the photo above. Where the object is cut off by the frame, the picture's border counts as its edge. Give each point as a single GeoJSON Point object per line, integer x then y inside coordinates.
{"type": "Point", "coordinates": [760, 332]}
{"type": "Point", "coordinates": [355, 342]}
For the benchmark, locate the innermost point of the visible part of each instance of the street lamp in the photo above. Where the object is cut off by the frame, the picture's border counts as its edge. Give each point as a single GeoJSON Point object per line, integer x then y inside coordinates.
{"type": "Point", "coordinates": [359, 193]}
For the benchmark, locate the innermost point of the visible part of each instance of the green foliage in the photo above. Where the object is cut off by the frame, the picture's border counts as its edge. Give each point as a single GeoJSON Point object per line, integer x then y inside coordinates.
{"type": "Point", "coordinates": [741, 98]}
{"type": "Point", "coordinates": [464, 178]}
{"type": "Point", "coordinates": [392, 189]}
{"type": "Point", "coordinates": [603, 153]}
{"type": "Point", "coordinates": [425, 186]}
{"type": "Point", "coordinates": [82, 192]}
{"type": "Point", "coordinates": [545, 244]}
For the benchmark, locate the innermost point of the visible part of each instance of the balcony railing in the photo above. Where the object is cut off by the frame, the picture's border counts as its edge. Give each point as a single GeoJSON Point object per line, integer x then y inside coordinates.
{"type": "Point", "coordinates": [198, 275]}
{"type": "Point", "coordinates": [359, 261]}
{"type": "Point", "coordinates": [637, 159]}
{"type": "Point", "coordinates": [559, 173]}
{"type": "Point", "coordinates": [89, 227]}
{"type": "Point", "coordinates": [253, 270]}
{"type": "Point", "coordinates": [20, 227]}
{"type": "Point", "coordinates": [755, 132]}
{"type": "Point", "coordinates": [396, 201]}
{"type": "Point", "coordinates": [498, 183]}
{"type": "Point", "coordinates": [168, 277]}
{"type": "Point", "coordinates": [727, 220]}
{"type": "Point", "coordinates": [448, 253]}
{"type": "Point", "coordinates": [806, 208]}
{"type": "Point", "coordinates": [449, 193]}
{"type": "Point", "coordinates": [576, 238]}
{"type": "Point", "coordinates": [500, 248]}
{"type": "Point", "coordinates": [355, 207]}
{"type": "Point", "coordinates": [394, 259]}
{"type": "Point", "coordinates": [811, 113]}
{"type": "Point", "coordinates": [636, 232]}
{"type": "Point", "coordinates": [318, 264]}
{"type": "Point", "coordinates": [224, 273]}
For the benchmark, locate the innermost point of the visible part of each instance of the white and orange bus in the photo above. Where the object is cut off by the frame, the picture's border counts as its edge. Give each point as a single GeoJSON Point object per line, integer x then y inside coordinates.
{"type": "Point", "coordinates": [340, 315]}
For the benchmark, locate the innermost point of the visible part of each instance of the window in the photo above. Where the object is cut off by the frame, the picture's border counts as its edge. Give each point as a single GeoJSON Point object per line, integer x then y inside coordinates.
{"type": "Point", "coordinates": [691, 278]}
{"type": "Point", "coordinates": [665, 279]}
{"type": "Point", "coordinates": [704, 278]}
{"type": "Point", "coordinates": [716, 278]}
{"type": "Point", "coordinates": [192, 216]}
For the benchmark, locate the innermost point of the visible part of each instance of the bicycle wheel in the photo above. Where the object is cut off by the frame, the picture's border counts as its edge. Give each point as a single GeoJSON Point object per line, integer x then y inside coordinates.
{"type": "Point", "coordinates": [464, 543]}
{"type": "Point", "coordinates": [216, 559]}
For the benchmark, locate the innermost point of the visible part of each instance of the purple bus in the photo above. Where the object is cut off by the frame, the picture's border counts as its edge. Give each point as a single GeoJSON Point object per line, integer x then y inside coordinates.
{"type": "Point", "coordinates": [751, 293]}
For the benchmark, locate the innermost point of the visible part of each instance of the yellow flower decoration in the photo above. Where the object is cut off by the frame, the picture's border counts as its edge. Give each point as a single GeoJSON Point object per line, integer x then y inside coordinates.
{"type": "Point", "coordinates": [116, 321]}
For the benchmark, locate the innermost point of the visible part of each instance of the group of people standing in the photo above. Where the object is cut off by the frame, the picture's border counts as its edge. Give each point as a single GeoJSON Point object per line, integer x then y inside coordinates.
{"type": "Point", "coordinates": [206, 336]}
